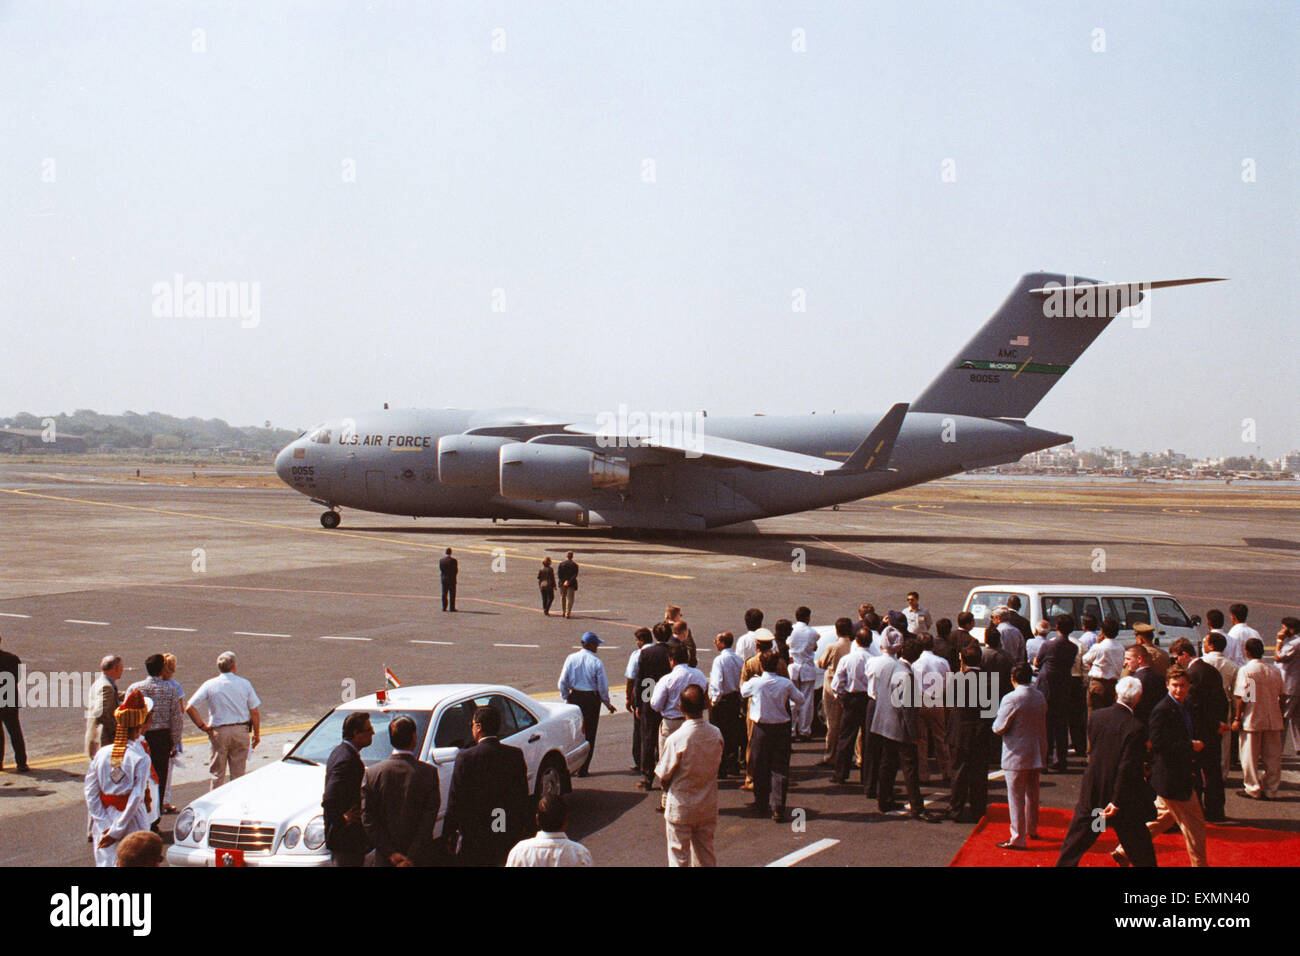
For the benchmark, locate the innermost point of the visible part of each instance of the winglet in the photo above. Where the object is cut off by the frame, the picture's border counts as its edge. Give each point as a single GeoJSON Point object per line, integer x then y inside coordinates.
{"type": "Point", "coordinates": [873, 454]}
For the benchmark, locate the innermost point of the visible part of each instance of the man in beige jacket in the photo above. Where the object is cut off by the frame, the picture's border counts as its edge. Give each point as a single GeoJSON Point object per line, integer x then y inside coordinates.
{"type": "Point", "coordinates": [688, 770]}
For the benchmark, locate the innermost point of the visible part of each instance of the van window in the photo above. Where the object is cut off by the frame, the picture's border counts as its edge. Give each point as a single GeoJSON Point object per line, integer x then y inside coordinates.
{"type": "Point", "coordinates": [983, 602]}
{"type": "Point", "coordinates": [1075, 605]}
{"type": "Point", "coordinates": [1128, 611]}
{"type": "Point", "coordinates": [1170, 613]}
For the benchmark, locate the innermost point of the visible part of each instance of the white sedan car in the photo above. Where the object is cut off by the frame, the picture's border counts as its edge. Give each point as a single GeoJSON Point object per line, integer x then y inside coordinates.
{"type": "Point", "coordinates": [272, 816]}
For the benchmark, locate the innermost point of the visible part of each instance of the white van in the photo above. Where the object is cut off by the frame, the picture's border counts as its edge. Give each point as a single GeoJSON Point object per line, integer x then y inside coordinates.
{"type": "Point", "coordinates": [1039, 602]}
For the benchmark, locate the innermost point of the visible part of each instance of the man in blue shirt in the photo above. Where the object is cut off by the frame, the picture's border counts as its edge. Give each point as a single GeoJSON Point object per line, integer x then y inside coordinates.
{"type": "Point", "coordinates": [584, 684]}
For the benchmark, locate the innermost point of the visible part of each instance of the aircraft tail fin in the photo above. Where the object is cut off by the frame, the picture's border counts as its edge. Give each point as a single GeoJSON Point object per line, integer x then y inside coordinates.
{"type": "Point", "coordinates": [1030, 342]}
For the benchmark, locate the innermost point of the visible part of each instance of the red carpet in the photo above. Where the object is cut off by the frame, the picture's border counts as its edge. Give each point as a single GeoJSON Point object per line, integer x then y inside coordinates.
{"type": "Point", "coordinates": [1225, 846]}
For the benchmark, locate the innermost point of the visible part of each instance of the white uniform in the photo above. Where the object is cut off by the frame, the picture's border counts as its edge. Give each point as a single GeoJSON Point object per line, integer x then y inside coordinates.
{"type": "Point", "coordinates": [125, 785]}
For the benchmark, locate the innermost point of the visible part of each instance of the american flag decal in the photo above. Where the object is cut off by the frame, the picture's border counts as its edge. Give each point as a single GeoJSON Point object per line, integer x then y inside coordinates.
{"type": "Point", "coordinates": [1020, 340]}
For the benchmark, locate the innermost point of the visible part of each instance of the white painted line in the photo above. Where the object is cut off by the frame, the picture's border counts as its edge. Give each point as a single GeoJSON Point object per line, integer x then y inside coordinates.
{"type": "Point", "coordinates": [790, 859]}
{"type": "Point", "coordinates": [997, 774]}
{"type": "Point", "coordinates": [603, 647]}
{"type": "Point", "coordinates": [258, 634]}
{"type": "Point", "coordinates": [516, 645]}
{"type": "Point", "coordinates": [14, 615]}
{"type": "Point", "coordinates": [341, 637]}
{"type": "Point", "coordinates": [439, 643]}
{"type": "Point", "coordinates": [94, 623]}
{"type": "Point", "coordinates": [157, 627]}
{"type": "Point", "coordinates": [603, 610]}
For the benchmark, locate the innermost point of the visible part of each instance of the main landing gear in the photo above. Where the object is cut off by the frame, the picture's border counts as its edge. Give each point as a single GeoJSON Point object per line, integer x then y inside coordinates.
{"type": "Point", "coordinates": [330, 519]}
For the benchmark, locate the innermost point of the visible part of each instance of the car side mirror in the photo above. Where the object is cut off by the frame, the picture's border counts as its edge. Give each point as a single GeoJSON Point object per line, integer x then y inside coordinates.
{"type": "Point", "coordinates": [444, 754]}
{"type": "Point", "coordinates": [1196, 620]}
{"type": "Point", "coordinates": [287, 748]}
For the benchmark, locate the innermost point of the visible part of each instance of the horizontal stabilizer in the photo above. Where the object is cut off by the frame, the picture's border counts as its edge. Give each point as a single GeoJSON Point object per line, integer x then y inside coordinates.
{"type": "Point", "coordinates": [873, 454]}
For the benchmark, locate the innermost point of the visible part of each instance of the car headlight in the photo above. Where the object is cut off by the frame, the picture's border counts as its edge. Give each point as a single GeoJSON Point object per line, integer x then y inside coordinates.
{"type": "Point", "coordinates": [291, 837]}
{"type": "Point", "coordinates": [200, 828]}
{"type": "Point", "coordinates": [314, 835]}
{"type": "Point", "coordinates": [184, 824]}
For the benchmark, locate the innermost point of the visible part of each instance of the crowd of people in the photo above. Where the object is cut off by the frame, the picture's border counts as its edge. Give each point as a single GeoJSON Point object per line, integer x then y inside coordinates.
{"type": "Point", "coordinates": [1160, 731]}
{"type": "Point", "coordinates": [1157, 729]}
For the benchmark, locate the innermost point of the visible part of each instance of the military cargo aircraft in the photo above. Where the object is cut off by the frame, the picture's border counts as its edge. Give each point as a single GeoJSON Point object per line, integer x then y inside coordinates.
{"type": "Point", "coordinates": [686, 472]}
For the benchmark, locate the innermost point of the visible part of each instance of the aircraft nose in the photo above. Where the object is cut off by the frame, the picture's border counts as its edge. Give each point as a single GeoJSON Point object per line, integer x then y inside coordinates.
{"type": "Point", "coordinates": [284, 463]}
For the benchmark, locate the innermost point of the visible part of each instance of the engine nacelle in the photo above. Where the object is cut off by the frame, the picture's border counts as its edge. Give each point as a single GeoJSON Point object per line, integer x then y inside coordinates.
{"type": "Point", "coordinates": [540, 472]}
{"type": "Point", "coordinates": [469, 461]}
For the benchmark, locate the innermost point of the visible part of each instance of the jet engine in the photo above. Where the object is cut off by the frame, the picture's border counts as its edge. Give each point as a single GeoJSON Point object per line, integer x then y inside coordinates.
{"type": "Point", "coordinates": [540, 472]}
{"type": "Point", "coordinates": [469, 461]}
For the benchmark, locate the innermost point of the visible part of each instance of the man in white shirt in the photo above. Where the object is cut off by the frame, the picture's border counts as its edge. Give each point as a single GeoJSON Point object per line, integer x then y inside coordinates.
{"type": "Point", "coordinates": [932, 672]}
{"type": "Point", "coordinates": [725, 705]}
{"type": "Point", "coordinates": [804, 671]}
{"type": "Point", "coordinates": [850, 686]}
{"type": "Point", "coordinates": [232, 715]}
{"type": "Point", "coordinates": [584, 684]}
{"type": "Point", "coordinates": [1104, 661]}
{"type": "Point", "coordinates": [1079, 684]}
{"type": "Point", "coordinates": [551, 846]}
{"type": "Point", "coordinates": [688, 768]}
{"type": "Point", "coordinates": [747, 643]}
{"type": "Point", "coordinates": [919, 620]}
{"type": "Point", "coordinates": [1239, 634]}
{"type": "Point", "coordinates": [1258, 703]}
{"type": "Point", "coordinates": [1287, 656]}
{"type": "Point", "coordinates": [771, 698]}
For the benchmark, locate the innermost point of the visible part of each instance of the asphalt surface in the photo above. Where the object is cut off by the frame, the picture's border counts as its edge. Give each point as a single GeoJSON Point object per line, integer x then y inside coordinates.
{"type": "Point", "coordinates": [90, 566]}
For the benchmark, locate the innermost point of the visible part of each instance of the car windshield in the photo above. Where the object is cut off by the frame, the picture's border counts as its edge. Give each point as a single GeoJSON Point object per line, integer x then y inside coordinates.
{"type": "Point", "coordinates": [983, 602]}
{"type": "Point", "coordinates": [326, 735]}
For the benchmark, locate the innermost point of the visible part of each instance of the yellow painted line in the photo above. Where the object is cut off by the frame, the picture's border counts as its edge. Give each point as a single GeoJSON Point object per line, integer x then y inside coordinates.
{"type": "Point", "coordinates": [322, 531]}
{"type": "Point", "coordinates": [64, 760]}
{"type": "Point", "coordinates": [1127, 538]}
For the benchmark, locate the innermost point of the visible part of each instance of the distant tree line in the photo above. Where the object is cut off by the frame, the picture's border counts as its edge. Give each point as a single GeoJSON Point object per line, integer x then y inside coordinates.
{"type": "Point", "coordinates": [156, 431]}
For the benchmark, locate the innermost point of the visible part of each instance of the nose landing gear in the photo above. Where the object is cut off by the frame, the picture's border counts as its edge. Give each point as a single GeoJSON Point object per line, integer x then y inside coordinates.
{"type": "Point", "coordinates": [330, 519]}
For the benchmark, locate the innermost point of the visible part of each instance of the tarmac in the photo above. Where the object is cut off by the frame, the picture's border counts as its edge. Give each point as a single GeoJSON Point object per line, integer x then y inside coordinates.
{"type": "Point", "coordinates": [95, 561]}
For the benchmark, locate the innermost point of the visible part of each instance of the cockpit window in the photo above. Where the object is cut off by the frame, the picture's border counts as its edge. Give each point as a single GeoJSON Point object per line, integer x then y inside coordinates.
{"type": "Point", "coordinates": [320, 436]}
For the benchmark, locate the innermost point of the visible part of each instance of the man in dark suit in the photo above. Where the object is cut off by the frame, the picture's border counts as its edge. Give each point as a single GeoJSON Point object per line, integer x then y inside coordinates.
{"type": "Point", "coordinates": [1209, 706]}
{"type": "Point", "coordinates": [400, 799]}
{"type": "Point", "coordinates": [1114, 793]}
{"type": "Point", "coordinates": [970, 777]}
{"type": "Point", "coordinates": [489, 805]}
{"type": "Point", "coordinates": [1017, 620]}
{"type": "Point", "coordinates": [9, 664]}
{"type": "Point", "coordinates": [567, 572]}
{"type": "Point", "coordinates": [1173, 766]}
{"type": "Point", "coordinates": [1137, 661]}
{"type": "Point", "coordinates": [345, 834]}
{"type": "Point", "coordinates": [997, 663]}
{"type": "Point", "coordinates": [651, 664]}
{"type": "Point", "coordinates": [448, 568]}
{"type": "Point", "coordinates": [1053, 662]}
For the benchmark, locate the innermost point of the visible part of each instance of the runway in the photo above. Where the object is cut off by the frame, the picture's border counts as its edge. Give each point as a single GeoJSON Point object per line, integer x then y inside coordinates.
{"type": "Point", "coordinates": [95, 563]}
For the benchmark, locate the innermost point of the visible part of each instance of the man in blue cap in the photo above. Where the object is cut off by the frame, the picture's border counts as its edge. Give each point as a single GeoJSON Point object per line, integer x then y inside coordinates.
{"type": "Point", "coordinates": [583, 683]}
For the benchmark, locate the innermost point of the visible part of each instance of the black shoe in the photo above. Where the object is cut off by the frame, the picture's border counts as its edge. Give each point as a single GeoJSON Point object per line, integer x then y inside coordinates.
{"type": "Point", "coordinates": [1011, 846]}
{"type": "Point", "coordinates": [924, 815]}
{"type": "Point", "coordinates": [23, 768]}
{"type": "Point", "coordinates": [960, 816]}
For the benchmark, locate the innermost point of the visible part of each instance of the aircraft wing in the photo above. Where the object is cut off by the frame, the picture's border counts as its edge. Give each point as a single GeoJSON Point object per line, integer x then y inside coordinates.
{"type": "Point", "coordinates": [871, 455]}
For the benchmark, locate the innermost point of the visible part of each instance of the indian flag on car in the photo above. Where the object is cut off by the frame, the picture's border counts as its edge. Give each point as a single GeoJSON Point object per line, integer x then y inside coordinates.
{"type": "Point", "coordinates": [390, 680]}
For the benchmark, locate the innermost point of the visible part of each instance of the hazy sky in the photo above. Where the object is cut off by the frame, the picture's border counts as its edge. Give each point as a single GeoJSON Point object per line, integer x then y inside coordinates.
{"type": "Point", "coordinates": [447, 204]}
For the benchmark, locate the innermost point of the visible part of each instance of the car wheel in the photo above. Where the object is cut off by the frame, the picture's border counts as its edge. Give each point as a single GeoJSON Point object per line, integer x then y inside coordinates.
{"type": "Point", "coordinates": [552, 777]}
